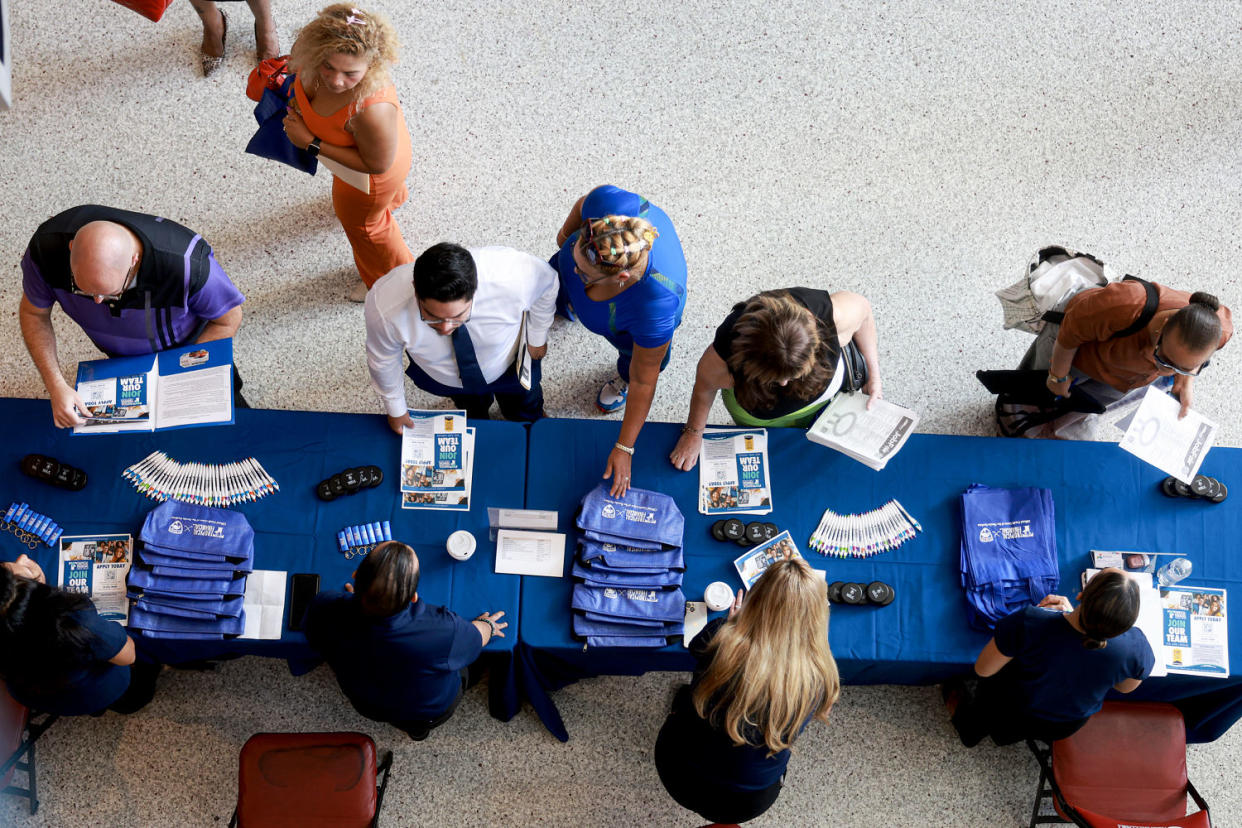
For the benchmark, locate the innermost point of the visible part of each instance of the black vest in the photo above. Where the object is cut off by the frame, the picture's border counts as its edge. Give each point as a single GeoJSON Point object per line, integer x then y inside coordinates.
{"type": "Point", "coordinates": [168, 249]}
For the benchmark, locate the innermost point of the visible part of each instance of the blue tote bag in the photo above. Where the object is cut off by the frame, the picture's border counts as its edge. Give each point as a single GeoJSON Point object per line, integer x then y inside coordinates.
{"type": "Point", "coordinates": [270, 140]}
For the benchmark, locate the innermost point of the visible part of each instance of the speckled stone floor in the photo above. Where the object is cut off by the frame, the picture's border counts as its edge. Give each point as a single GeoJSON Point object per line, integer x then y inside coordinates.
{"type": "Point", "coordinates": [914, 153]}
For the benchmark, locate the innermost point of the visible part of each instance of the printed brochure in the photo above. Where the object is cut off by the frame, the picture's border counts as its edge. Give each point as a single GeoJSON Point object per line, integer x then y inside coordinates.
{"type": "Point", "coordinates": [178, 388]}
{"type": "Point", "coordinates": [433, 452]}
{"type": "Point", "coordinates": [755, 562]}
{"type": "Point", "coordinates": [1196, 631]}
{"type": "Point", "coordinates": [733, 472]}
{"type": "Point", "coordinates": [1157, 436]}
{"type": "Point", "coordinates": [871, 437]}
{"type": "Point", "coordinates": [455, 499]}
{"type": "Point", "coordinates": [97, 566]}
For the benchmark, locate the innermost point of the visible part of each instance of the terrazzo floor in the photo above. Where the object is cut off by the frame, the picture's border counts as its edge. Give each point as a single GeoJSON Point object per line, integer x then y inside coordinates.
{"type": "Point", "coordinates": [916, 153]}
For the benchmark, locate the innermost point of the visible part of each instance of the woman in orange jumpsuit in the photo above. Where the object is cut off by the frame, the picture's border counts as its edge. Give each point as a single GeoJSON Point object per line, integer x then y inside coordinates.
{"type": "Point", "coordinates": [346, 113]}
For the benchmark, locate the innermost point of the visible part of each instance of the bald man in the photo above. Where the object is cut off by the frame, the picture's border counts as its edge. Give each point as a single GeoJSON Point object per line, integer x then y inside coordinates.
{"type": "Point", "coordinates": [136, 284]}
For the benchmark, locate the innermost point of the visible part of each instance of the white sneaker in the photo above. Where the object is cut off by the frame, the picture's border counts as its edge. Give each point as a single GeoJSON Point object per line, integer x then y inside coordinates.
{"type": "Point", "coordinates": [612, 396]}
{"type": "Point", "coordinates": [358, 293]}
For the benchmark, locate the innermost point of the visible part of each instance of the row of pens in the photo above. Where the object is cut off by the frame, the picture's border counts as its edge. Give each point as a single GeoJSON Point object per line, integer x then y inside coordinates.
{"type": "Point", "coordinates": [161, 478]}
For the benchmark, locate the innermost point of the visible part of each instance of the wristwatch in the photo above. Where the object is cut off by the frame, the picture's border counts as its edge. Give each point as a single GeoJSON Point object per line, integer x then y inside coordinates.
{"type": "Point", "coordinates": [1057, 379]}
{"type": "Point", "coordinates": [312, 149]}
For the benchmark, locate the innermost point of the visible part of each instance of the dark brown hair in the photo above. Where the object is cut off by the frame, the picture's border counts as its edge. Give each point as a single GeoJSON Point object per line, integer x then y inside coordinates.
{"type": "Point", "coordinates": [1197, 325]}
{"type": "Point", "coordinates": [387, 579]}
{"type": "Point", "coordinates": [1110, 606]}
{"type": "Point", "coordinates": [776, 338]}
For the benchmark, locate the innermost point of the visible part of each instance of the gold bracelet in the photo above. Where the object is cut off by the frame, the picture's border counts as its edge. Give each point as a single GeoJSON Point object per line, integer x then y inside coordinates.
{"type": "Point", "coordinates": [689, 429]}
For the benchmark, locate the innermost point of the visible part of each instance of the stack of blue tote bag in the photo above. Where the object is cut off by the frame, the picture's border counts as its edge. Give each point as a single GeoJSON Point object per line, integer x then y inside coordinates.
{"type": "Point", "coordinates": [189, 578]}
{"type": "Point", "coordinates": [628, 570]}
{"type": "Point", "coordinates": [1009, 551]}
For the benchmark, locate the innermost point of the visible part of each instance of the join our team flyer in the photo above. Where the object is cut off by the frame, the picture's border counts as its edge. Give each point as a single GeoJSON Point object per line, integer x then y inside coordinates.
{"type": "Point", "coordinates": [733, 472]}
{"type": "Point", "coordinates": [96, 566]}
{"type": "Point", "coordinates": [433, 452]}
{"type": "Point", "coordinates": [1196, 631]}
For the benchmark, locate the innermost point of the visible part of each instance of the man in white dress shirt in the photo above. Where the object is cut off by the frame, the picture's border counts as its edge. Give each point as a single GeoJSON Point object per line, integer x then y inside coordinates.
{"type": "Point", "coordinates": [457, 314]}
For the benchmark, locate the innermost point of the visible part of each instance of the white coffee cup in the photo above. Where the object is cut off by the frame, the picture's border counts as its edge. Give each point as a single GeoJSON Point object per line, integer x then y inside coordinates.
{"type": "Point", "coordinates": [718, 596]}
{"type": "Point", "coordinates": [461, 545]}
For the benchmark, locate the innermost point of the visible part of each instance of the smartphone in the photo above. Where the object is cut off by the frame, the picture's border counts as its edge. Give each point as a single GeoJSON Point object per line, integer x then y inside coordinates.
{"type": "Point", "coordinates": [305, 587]}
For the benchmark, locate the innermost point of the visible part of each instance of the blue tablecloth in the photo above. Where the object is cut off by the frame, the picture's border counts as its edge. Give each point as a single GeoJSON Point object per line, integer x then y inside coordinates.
{"type": "Point", "coordinates": [1105, 499]}
{"type": "Point", "coordinates": [294, 530]}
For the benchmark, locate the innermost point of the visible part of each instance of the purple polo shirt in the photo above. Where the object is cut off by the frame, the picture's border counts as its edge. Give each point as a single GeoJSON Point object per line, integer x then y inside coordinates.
{"type": "Point", "coordinates": [129, 333]}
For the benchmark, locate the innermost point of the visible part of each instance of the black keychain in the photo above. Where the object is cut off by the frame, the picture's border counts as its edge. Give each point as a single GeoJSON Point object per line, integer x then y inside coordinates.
{"type": "Point", "coordinates": [52, 471]}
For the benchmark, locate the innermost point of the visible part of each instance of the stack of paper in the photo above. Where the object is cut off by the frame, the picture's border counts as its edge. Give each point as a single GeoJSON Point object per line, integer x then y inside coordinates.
{"type": "Point", "coordinates": [872, 436]}
{"type": "Point", "coordinates": [733, 472]}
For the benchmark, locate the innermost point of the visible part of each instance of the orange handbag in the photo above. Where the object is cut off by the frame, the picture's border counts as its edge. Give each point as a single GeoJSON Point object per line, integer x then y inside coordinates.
{"type": "Point", "coordinates": [150, 9]}
{"type": "Point", "coordinates": [269, 74]}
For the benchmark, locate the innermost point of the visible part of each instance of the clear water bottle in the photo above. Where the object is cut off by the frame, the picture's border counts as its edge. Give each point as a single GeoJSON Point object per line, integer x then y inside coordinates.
{"type": "Point", "coordinates": [1172, 572]}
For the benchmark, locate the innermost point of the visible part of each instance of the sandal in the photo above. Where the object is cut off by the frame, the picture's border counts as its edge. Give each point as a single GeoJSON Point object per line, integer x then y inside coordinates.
{"type": "Point", "coordinates": [213, 62]}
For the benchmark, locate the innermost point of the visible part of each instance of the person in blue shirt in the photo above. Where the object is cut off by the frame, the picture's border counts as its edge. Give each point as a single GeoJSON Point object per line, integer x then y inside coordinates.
{"type": "Point", "coordinates": [58, 656]}
{"type": "Point", "coordinates": [623, 276]}
{"type": "Point", "coordinates": [1048, 668]}
{"type": "Point", "coordinates": [760, 677]}
{"type": "Point", "coordinates": [398, 659]}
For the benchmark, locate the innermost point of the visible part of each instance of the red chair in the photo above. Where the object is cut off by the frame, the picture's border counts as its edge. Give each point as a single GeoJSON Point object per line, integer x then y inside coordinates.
{"type": "Point", "coordinates": [1125, 767]}
{"type": "Point", "coordinates": [309, 779]}
{"type": "Point", "coordinates": [19, 731]}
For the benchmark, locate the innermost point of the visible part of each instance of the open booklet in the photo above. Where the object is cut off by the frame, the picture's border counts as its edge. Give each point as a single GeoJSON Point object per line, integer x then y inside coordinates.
{"type": "Point", "coordinates": [177, 388]}
{"type": "Point", "coordinates": [96, 566]}
{"type": "Point", "coordinates": [870, 437]}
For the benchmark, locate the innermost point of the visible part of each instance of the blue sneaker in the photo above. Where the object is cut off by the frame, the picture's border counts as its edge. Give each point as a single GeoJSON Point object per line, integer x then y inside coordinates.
{"type": "Point", "coordinates": [612, 395]}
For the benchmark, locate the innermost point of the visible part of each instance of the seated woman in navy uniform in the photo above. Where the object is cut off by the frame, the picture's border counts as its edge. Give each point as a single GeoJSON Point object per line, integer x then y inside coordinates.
{"type": "Point", "coordinates": [1048, 668]}
{"type": "Point", "coordinates": [58, 656]}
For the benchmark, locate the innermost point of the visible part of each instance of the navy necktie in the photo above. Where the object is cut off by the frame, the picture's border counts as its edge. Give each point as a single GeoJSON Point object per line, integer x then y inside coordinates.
{"type": "Point", "coordinates": [467, 362]}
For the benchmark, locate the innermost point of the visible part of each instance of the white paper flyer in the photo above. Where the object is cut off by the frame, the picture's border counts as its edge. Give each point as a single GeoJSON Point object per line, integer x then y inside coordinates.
{"type": "Point", "coordinates": [97, 566]}
{"type": "Point", "coordinates": [733, 472]}
{"type": "Point", "coordinates": [433, 452]}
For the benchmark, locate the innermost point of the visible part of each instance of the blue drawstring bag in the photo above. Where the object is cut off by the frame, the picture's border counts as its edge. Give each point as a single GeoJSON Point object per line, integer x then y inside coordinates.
{"type": "Point", "coordinates": [586, 626]}
{"type": "Point", "coordinates": [627, 557]}
{"type": "Point", "coordinates": [204, 533]}
{"type": "Point", "coordinates": [214, 604]}
{"type": "Point", "coordinates": [1008, 553]}
{"type": "Point", "coordinates": [207, 629]}
{"type": "Point", "coordinates": [638, 519]}
{"type": "Point", "coordinates": [270, 140]}
{"type": "Point", "coordinates": [193, 574]}
{"type": "Point", "coordinates": [617, 641]}
{"type": "Point", "coordinates": [150, 582]}
{"type": "Point", "coordinates": [621, 604]}
{"type": "Point", "coordinates": [646, 624]}
{"type": "Point", "coordinates": [180, 597]}
{"type": "Point", "coordinates": [615, 540]}
{"type": "Point", "coordinates": [152, 603]}
{"type": "Point", "coordinates": [601, 578]}
{"type": "Point", "coordinates": [602, 565]}
{"type": "Point", "coordinates": [151, 556]}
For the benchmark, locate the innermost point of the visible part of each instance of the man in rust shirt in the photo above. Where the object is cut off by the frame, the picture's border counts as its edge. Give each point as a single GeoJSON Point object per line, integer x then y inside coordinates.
{"type": "Point", "coordinates": [1186, 330]}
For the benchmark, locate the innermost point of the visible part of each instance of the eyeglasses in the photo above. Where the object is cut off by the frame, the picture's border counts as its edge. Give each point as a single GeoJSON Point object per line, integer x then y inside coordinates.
{"type": "Point", "coordinates": [1168, 366]}
{"type": "Point", "coordinates": [108, 298]}
{"type": "Point", "coordinates": [451, 322]}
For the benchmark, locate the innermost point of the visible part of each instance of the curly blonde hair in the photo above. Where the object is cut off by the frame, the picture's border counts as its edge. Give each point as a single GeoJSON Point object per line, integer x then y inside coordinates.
{"type": "Point", "coordinates": [343, 29]}
{"type": "Point", "coordinates": [617, 242]}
